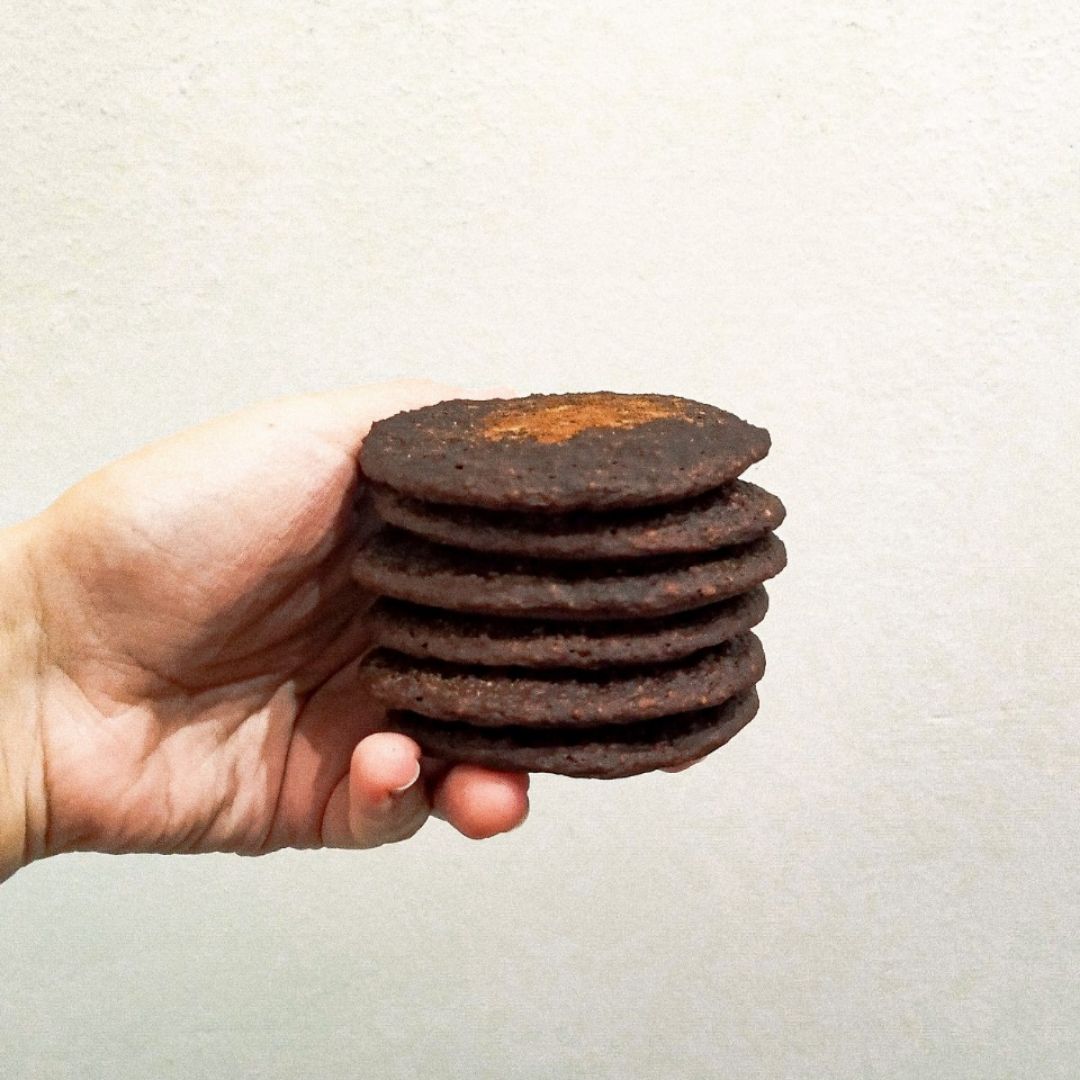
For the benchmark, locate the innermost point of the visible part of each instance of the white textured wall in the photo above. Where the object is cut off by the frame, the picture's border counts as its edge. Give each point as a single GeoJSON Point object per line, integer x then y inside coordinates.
{"type": "Point", "coordinates": [853, 222]}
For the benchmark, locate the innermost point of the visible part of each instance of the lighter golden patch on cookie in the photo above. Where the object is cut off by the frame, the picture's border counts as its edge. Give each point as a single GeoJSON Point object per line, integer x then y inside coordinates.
{"type": "Point", "coordinates": [561, 418]}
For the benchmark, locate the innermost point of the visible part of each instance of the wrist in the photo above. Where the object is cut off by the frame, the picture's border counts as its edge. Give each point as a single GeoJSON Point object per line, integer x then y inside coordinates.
{"type": "Point", "coordinates": [22, 764]}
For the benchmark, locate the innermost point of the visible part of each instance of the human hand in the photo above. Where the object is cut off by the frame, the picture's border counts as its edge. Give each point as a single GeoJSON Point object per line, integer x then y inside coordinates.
{"type": "Point", "coordinates": [194, 636]}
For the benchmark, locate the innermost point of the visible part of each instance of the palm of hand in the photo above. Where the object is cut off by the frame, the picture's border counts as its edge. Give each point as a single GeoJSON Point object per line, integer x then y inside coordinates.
{"type": "Point", "coordinates": [215, 707]}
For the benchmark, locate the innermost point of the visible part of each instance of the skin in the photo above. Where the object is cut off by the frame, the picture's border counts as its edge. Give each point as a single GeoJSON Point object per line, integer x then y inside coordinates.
{"type": "Point", "coordinates": [178, 636]}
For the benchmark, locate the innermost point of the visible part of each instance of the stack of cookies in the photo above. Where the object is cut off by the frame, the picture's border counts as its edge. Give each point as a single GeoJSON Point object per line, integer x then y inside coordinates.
{"type": "Point", "coordinates": [567, 582]}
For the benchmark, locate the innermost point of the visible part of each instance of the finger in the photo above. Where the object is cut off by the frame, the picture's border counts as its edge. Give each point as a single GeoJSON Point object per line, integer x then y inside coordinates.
{"type": "Point", "coordinates": [347, 414]}
{"type": "Point", "coordinates": [480, 802]}
{"type": "Point", "coordinates": [386, 800]}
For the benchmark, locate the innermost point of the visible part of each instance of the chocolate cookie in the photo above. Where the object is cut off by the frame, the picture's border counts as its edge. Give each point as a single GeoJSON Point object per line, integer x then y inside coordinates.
{"type": "Point", "coordinates": [599, 752]}
{"type": "Point", "coordinates": [395, 563]}
{"type": "Point", "coordinates": [732, 514]}
{"type": "Point", "coordinates": [508, 696]}
{"type": "Point", "coordinates": [478, 639]}
{"type": "Point", "coordinates": [567, 582]}
{"type": "Point", "coordinates": [558, 452]}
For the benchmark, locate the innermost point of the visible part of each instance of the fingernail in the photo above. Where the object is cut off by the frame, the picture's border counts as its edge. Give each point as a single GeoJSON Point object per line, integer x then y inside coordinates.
{"type": "Point", "coordinates": [405, 787]}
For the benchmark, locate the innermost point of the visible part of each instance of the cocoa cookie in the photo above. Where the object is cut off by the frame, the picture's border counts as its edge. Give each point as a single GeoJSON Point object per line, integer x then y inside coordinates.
{"type": "Point", "coordinates": [566, 582]}
{"type": "Point", "coordinates": [732, 514]}
{"type": "Point", "coordinates": [429, 633]}
{"type": "Point", "coordinates": [599, 752]}
{"type": "Point", "coordinates": [559, 452]}
{"type": "Point", "coordinates": [396, 563]}
{"type": "Point", "coordinates": [486, 696]}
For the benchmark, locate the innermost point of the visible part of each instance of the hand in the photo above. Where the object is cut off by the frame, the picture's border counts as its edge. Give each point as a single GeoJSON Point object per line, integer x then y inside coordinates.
{"type": "Point", "coordinates": [195, 680]}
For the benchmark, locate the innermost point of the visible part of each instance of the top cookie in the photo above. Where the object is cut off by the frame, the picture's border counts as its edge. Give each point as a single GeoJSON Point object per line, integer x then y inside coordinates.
{"type": "Point", "coordinates": [557, 452]}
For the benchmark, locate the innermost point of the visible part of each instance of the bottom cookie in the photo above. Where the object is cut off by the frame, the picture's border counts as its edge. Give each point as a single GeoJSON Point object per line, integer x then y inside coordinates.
{"type": "Point", "coordinates": [603, 752]}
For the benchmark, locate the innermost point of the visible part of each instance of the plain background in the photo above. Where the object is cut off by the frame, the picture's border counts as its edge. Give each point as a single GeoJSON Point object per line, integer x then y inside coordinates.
{"type": "Point", "coordinates": [854, 223]}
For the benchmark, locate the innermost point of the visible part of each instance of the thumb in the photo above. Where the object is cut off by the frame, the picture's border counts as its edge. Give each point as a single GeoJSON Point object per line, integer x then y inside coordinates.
{"type": "Point", "coordinates": [349, 412]}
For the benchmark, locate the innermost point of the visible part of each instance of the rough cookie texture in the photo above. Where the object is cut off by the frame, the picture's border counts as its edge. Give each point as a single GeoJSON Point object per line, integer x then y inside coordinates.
{"type": "Point", "coordinates": [561, 452]}
{"type": "Point", "coordinates": [502, 696]}
{"type": "Point", "coordinates": [428, 633]}
{"type": "Point", "coordinates": [566, 583]}
{"type": "Point", "coordinates": [395, 563]}
{"type": "Point", "coordinates": [732, 514]}
{"type": "Point", "coordinates": [603, 753]}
